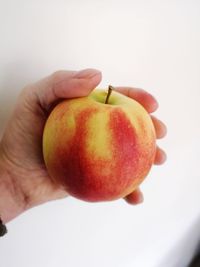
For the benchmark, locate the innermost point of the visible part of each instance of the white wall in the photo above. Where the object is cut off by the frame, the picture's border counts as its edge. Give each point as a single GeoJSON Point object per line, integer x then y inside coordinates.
{"type": "Point", "coordinates": [144, 43]}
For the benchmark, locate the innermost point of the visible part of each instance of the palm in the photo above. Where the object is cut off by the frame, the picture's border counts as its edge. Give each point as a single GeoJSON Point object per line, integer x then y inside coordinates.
{"type": "Point", "coordinates": [22, 144]}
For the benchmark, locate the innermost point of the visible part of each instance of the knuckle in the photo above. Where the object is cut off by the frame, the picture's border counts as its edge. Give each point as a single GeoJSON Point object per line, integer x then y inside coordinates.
{"type": "Point", "coordinates": [57, 75]}
{"type": "Point", "coordinates": [26, 91]}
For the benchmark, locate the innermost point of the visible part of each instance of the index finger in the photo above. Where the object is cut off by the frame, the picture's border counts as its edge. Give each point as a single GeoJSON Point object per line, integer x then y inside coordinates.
{"type": "Point", "coordinates": [144, 98]}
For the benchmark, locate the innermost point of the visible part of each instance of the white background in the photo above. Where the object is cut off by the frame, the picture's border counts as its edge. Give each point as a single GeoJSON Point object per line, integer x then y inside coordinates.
{"type": "Point", "coordinates": [145, 43]}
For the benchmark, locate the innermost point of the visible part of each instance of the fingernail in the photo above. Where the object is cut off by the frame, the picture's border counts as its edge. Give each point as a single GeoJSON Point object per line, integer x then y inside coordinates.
{"type": "Point", "coordinates": [155, 104]}
{"type": "Point", "coordinates": [140, 198]}
{"type": "Point", "coordinates": [88, 73]}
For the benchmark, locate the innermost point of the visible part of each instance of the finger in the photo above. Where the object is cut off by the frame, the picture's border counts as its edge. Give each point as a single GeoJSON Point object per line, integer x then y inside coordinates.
{"type": "Point", "coordinates": [134, 198]}
{"type": "Point", "coordinates": [160, 127]}
{"type": "Point", "coordinates": [144, 98]}
{"type": "Point", "coordinates": [66, 84]}
{"type": "Point", "coordinates": [160, 156]}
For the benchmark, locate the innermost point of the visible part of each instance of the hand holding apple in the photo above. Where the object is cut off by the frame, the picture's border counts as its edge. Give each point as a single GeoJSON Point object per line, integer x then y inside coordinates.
{"type": "Point", "coordinates": [24, 180]}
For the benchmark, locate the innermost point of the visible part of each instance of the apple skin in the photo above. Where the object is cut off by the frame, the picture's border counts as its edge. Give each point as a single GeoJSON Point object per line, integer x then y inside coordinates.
{"type": "Point", "coordinates": [98, 151]}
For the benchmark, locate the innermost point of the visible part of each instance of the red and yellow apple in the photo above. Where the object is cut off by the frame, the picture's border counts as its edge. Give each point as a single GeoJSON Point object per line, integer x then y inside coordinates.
{"type": "Point", "coordinates": [99, 147]}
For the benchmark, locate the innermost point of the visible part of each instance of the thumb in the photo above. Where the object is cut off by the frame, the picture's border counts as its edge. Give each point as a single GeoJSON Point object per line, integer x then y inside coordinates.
{"type": "Point", "coordinates": [66, 84]}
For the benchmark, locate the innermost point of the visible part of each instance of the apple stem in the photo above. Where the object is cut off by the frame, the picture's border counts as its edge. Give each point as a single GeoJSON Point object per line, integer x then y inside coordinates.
{"type": "Point", "coordinates": [110, 88]}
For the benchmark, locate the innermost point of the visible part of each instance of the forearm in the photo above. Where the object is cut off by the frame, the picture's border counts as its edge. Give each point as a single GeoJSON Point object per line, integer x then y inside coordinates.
{"type": "Point", "coordinates": [11, 199]}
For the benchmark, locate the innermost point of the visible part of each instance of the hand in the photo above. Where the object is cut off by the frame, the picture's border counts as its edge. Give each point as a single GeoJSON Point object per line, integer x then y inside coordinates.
{"type": "Point", "coordinates": [22, 170]}
{"type": "Point", "coordinates": [21, 145]}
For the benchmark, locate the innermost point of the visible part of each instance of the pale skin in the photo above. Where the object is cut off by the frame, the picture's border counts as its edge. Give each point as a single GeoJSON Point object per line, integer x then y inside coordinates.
{"type": "Point", "coordinates": [24, 181]}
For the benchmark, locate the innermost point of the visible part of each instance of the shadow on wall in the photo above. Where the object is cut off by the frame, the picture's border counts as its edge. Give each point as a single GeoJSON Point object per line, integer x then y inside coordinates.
{"type": "Point", "coordinates": [190, 247]}
{"type": "Point", "coordinates": [196, 260]}
{"type": "Point", "coordinates": [15, 76]}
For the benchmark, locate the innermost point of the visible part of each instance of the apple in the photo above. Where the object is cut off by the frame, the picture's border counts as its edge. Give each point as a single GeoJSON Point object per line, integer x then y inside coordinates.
{"type": "Point", "coordinates": [99, 147]}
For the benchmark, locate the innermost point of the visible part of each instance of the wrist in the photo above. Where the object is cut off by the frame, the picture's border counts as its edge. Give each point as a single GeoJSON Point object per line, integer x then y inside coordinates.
{"type": "Point", "coordinates": [12, 199]}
